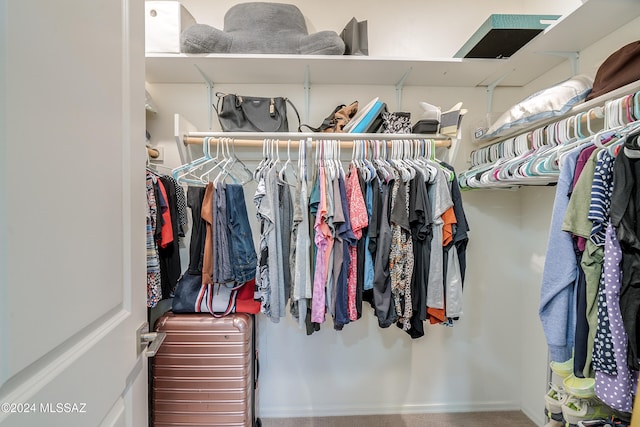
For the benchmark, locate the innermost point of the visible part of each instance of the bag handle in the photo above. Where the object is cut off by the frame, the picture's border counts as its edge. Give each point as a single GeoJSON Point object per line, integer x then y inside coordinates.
{"type": "Point", "coordinates": [297, 114]}
{"type": "Point", "coordinates": [206, 294]}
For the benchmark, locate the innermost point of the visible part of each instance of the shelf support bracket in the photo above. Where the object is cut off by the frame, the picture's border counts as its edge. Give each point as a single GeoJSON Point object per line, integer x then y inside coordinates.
{"type": "Point", "coordinates": [399, 87]}
{"type": "Point", "coordinates": [491, 87]}
{"type": "Point", "coordinates": [307, 93]}
{"type": "Point", "coordinates": [210, 92]}
{"type": "Point", "coordinates": [573, 57]}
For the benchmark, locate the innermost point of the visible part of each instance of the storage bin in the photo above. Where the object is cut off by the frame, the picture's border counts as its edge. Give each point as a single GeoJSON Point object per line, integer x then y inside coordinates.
{"type": "Point", "coordinates": [164, 22]}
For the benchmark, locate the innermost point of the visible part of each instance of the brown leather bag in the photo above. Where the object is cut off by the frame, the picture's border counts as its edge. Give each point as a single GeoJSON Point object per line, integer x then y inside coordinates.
{"type": "Point", "coordinates": [338, 119]}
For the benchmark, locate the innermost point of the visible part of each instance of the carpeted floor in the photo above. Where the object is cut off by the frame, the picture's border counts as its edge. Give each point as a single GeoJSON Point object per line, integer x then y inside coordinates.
{"type": "Point", "coordinates": [473, 419]}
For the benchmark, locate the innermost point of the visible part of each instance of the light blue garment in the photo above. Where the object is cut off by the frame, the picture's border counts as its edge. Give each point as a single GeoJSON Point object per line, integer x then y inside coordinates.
{"type": "Point", "coordinates": [557, 299]}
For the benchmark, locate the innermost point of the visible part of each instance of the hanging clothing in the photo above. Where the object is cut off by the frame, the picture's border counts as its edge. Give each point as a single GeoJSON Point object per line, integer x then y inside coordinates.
{"type": "Point", "coordinates": [324, 243]}
{"type": "Point", "coordinates": [241, 248]}
{"type": "Point", "coordinates": [345, 242]}
{"type": "Point", "coordinates": [163, 232]}
{"type": "Point", "coordinates": [625, 206]}
{"type": "Point", "coordinates": [376, 233]}
{"type": "Point", "coordinates": [401, 257]}
{"type": "Point", "coordinates": [302, 285]}
{"type": "Point", "coordinates": [557, 310]}
{"type": "Point", "coordinates": [195, 196]}
{"type": "Point", "coordinates": [577, 223]}
{"type": "Point", "coordinates": [207, 216]}
{"type": "Point", "coordinates": [169, 254]}
{"type": "Point", "coordinates": [154, 290]}
{"type": "Point", "coordinates": [440, 198]}
{"type": "Point", "coordinates": [616, 390]}
{"type": "Point", "coordinates": [359, 221]}
{"type": "Point", "coordinates": [382, 299]}
{"type": "Point", "coordinates": [420, 220]}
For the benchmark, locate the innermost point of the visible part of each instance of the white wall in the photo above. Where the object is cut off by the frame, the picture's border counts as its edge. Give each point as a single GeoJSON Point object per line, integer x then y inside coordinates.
{"type": "Point", "coordinates": [495, 357]}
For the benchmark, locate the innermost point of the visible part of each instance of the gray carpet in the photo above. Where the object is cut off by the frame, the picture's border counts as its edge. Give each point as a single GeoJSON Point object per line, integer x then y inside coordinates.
{"type": "Point", "coordinates": [472, 419]}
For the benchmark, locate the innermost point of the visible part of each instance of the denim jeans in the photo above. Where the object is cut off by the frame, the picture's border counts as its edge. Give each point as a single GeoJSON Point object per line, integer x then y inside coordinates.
{"type": "Point", "coordinates": [242, 250]}
{"type": "Point", "coordinates": [222, 266]}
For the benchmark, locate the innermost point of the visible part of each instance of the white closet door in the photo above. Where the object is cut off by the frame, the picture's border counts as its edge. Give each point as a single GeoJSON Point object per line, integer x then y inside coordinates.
{"type": "Point", "coordinates": [72, 213]}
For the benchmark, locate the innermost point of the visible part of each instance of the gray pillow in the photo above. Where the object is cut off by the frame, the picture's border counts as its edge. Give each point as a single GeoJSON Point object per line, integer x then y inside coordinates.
{"type": "Point", "coordinates": [261, 28]}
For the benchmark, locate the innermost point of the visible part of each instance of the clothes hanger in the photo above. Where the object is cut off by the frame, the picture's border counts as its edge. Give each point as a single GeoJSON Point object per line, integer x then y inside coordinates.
{"type": "Point", "coordinates": [367, 160]}
{"type": "Point", "coordinates": [243, 168]}
{"type": "Point", "coordinates": [636, 106]}
{"type": "Point", "coordinates": [233, 167]}
{"type": "Point", "coordinates": [408, 158]}
{"type": "Point", "coordinates": [333, 158]}
{"type": "Point", "coordinates": [431, 170]}
{"type": "Point", "coordinates": [330, 159]}
{"type": "Point", "coordinates": [623, 135]}
{"type": "Point", "coordinates": [265, 159]}
{"type": "Point", "coordinates": [302, 162]}
{"type": "Point", "coordinates": [394, 162]}
{"type": "Point", "coordinates": [219, 162]}
{"type": "Point", "coordinates": [287, 166]}
{"type": "Point", "coordinates": [188, 171]}
{"type": "Point", "coordinates": [375, 158]}
{"type": "Point", "coordinates": [153, 168]}
{"type": "Point", "coordinates": [274, 154]}
{"type": "Point", "coordinates": [205, 155]}
{"type": "Point", "coordinates": [402, 160]}
{"type": "Point", "coordinates": [357, 161]}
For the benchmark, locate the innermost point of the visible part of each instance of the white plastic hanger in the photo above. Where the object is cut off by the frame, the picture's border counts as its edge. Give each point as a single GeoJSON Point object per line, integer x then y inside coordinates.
{"type": "Point", "coordinates": [287, 166]}
{"type": "Point", "coordinates": [187, 173]}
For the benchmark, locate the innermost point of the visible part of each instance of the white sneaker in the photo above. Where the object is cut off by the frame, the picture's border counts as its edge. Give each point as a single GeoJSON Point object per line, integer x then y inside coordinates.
{"type": "Point", "coordinates": [575, 410]}
{"type": "Point", "coordinates": [553, 401]}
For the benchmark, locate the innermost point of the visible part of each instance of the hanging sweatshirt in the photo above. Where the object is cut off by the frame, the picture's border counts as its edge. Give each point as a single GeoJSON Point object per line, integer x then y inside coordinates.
{"type": "Point", "coordinates": [557, 310]}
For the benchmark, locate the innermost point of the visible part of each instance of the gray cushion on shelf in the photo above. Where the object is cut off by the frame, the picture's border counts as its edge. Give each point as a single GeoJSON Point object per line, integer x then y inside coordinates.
{"type": "Point", "coordinates": [261, 28]}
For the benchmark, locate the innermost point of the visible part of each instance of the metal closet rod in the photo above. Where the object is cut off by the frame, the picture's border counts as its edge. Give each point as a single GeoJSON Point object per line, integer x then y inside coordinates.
{"type": "Point", "coordinates": [255, 139]}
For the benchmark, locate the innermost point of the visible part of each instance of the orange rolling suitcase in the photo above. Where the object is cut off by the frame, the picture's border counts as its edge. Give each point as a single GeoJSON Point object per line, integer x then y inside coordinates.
{"type": "Point", "coordinates": [204, 374]}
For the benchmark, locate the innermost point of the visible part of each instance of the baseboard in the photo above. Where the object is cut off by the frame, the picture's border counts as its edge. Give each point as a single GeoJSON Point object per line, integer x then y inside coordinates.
{"type": "Point", "coordinates": [375, 409]}
{"type": "Point", "coordinates": [537, 416]}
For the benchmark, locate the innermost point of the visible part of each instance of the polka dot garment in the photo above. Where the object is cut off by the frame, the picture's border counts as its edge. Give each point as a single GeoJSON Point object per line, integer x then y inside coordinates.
{"type": "Point", "coordinates": [615, 390]}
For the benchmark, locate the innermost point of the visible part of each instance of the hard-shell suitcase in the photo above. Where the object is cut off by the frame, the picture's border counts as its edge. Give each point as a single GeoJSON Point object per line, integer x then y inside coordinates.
{"type": "Point", "coordinates": [204, 374]}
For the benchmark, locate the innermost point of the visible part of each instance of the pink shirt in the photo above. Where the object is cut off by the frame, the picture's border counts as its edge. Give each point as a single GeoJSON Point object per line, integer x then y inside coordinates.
{"type": "Point", "coordinates": [359, 220]}
{"type": "Point", "coordinates": [324, 241]}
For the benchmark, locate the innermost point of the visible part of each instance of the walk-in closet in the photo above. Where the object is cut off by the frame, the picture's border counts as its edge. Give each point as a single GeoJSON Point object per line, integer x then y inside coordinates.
{"type": "Point", "coordinates": [77, 259]}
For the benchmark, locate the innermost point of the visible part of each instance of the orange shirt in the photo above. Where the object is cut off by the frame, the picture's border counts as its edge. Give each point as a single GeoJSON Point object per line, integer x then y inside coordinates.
{"type": "Point", "coordinates": [166, 233]}
{"type": "Point", "coordinates": [449, 218]}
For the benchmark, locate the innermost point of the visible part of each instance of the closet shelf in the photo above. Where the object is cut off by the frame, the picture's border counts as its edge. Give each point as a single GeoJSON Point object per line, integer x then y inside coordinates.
{"type": "Point", "coordinates": [533, 60]}
{"type": "Point", "coordinates": [585, 106]}
{"type": "Point", "coordinates": [498, 170]}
